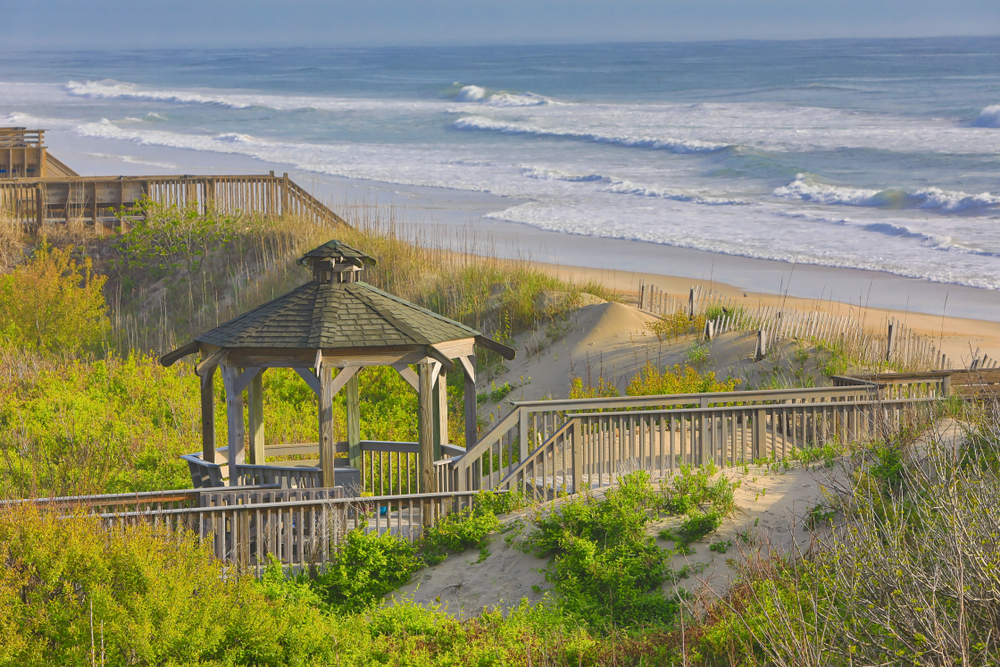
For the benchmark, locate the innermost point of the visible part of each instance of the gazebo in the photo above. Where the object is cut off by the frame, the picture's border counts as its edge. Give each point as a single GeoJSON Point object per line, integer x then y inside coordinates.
{"type": "Point", "coordinates": [335, 321]}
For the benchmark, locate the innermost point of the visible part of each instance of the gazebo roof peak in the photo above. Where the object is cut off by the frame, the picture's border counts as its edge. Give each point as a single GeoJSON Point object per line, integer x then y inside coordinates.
{"type": "Point", "coordinates": [335, 311]}
{"type": "Point", "coordinates": [335, 261]}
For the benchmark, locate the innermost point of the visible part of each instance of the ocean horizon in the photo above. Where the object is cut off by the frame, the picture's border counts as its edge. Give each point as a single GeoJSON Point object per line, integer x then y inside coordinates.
{"type": "Point", "coordinates": [880, 155]}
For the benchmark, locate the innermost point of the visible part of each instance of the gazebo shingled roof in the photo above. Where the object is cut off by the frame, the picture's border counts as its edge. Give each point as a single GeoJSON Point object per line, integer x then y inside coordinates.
{"type": "Point", "coordinates": [335, 321]}
{"type": "Point", "coordinates": [340, 315]}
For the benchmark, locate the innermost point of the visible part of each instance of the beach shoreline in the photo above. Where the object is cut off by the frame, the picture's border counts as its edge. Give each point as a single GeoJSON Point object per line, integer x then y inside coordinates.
{"type": "Point", "coordinates": [958, 316]}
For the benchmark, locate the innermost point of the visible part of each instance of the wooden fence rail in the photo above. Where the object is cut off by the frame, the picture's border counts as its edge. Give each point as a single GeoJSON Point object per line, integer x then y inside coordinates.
{"type": "Point", "coordinates": [899, 345]}
{"type": "Point", "coordinates": [593, 450]}
{"type": "Point", "coordinates": [300, 533]}
{"type": "Point", "coordinates": [103, 201]}
{"type": "Point", "coordinates": [146, 501]}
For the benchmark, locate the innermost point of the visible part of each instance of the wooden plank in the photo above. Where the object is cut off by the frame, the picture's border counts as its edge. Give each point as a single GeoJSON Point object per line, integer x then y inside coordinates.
{"type": "Point", "coordinates": [326, 425]}
{"type": "Point", "coordinates": [471, 405]}
{"type": "Point", "coordinates": [256, 418]}
{"type": "Point", "coordinates": [310, 379]}
{"type": "Point", "coordinates": [425, 429]}
{"type": "Point", "coordinates": [353, 400]}
{"type": "Point", "coordinates": [234, 416]}
{"type": "Point", "coordinates": [440, 401]}
{"type": "Point", "coordinates": [208, 416]}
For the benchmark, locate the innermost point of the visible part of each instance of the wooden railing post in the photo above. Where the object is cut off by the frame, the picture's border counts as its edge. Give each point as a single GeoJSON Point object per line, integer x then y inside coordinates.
{"type": "Point", "coordinates": [352, 398]}
{"type": "Point", "coordinates": [522, 434]}
{"type": "Point", "coordinates": [576, 435]}
{"type": "Point", "coordinates": [425, 428]}
{"type": "Point", "coordinates": [759, 433]}
{"type": "Point", "coordinates": [208, 416]}
{"type": "Point", "coordinates": [326, 426]}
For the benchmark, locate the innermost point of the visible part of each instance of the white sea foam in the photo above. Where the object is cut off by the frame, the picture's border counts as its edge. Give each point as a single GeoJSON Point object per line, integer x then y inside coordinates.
{"type": "Point", "coordinates": [110, 89]}
{"type": "Point", "coordinates": [988, 117]}
{"type": "Point", "coordinates": [480, 95]}
{"type": "Point", "coordinates": [471, 94]}
{"type": "Point", "coordinates": [661, 143]}
{"type": "Point", "coordinates": [807, 188]}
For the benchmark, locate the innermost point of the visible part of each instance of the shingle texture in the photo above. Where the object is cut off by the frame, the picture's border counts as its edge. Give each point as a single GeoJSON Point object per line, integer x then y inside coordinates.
{"type": "Point", "coordinates": [335, 249]}
{"type": "Point", "coordinates": [342, 315]}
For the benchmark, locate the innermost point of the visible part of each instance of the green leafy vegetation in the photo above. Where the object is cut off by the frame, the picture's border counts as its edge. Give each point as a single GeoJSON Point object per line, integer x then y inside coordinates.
{"type": "Point", "coordinates": [53, 303]}
{"type": "Point", "coordinates": [676, 325]}
{"type": "Point", "coordinates": [605, 567]}
{"type": "Point", "coordinates": [653, 381]}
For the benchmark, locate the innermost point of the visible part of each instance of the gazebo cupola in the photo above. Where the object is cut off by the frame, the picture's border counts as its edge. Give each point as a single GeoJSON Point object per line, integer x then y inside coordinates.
{"type": "Point", "coordinates": [335, 262]}
{"type": "Point", "coordinates": [327, 330]}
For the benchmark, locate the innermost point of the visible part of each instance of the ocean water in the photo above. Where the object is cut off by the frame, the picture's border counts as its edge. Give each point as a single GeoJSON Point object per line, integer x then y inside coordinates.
{"type": "Point", "coordinates": [881, 155]}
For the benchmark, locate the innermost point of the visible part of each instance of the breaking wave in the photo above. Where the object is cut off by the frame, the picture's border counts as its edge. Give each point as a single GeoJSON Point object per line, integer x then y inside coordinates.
{"type": "Point", "coordinates": [806, 188]}
{"type": "Point", "coordinates": [671, 145]}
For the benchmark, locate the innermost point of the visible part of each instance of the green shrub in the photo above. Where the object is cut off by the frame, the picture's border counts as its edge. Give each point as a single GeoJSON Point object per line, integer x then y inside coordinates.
{"type": "Point", "coordinates": [364, 568]}
{"type": "Point", "coordinates": [651, 381]}
{"type": "Point", "coordinates": [457, 532]}
{"type": "Point", "coordinates": [53, 304]}
{"type": "Point", "coordinates": [675, 325]}
{"type": "Point", "coordinates": [605, 569]}
{"type": "Point", "coordinates": [145, 596]}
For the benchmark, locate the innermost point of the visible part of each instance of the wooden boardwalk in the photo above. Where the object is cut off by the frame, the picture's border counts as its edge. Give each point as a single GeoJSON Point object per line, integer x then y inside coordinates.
{"type": "Point", "coordinates": [105, 201]}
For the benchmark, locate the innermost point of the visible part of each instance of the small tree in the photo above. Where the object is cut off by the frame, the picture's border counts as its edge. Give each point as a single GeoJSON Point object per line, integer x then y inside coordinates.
{"type": "Point", "coordinates": [54, 304]}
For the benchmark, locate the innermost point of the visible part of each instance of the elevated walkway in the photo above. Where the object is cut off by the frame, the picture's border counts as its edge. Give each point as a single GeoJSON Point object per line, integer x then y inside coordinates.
{"type": "Point", "coordinates": [23, 155]}
{"type": "Point", "coordinates": [281, 509]}
{"type": "Point", "coordinates": [37, 189]}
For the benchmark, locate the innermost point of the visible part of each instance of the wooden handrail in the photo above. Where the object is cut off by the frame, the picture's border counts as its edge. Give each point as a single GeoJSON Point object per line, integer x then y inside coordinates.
{"type": "Point", "coordinates": [101, 199]}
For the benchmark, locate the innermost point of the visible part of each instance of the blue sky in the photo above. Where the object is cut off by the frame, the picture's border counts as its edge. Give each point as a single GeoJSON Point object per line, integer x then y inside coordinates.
{"type": "Point", "coordinates": [228, 23]}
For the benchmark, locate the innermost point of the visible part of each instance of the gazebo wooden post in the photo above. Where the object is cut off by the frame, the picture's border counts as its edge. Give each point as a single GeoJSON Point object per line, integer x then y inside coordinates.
{"type": "Point", "coordinates": [208, 415]}
{"type": "Point", "coordinates": [352, 398]}
{"type": "Point", "coordinates": [425, 428]}
{"type": "Point", "coordinates": [234, 418]}
{"type": "Point", "coordinates": [327, 444]}
{"type": "Point", "coordinates": [471, 405]}
{"type": "Point", "coordinates": [440, 413]}
{"type": "Point", "coordinates": [256, 400]}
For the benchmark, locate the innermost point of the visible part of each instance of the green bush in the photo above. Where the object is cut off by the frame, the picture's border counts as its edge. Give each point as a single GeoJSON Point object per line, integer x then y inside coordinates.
{"type": "Point", "coordinates": [53, 303]}
{"type": "Point", "coordinates": [364, 568]}
{"type": "Point", "coordinates": [605, 568]}
{"type": "Point", "coordinates": [145, 596]}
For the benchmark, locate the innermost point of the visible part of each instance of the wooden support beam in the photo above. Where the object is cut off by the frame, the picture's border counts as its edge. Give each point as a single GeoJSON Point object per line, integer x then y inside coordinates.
{"type": "Point", "coordinates": [438, 356]}
{"type": "Point", "coordinates": [234, 416]}
{"type": "Point", "coordinates": [246, 377]}
{"type": "Point", "coordinates": [327, 442]}
{"type": "Point", "coordinates": [212, 361]}
{"type": "Point", "coordinates": [425, 429]}
{"type": "Point", "coordinates": [353, 400]}
{"type": "Point", "coordinates": [471, 411]}
{"type": "Point", "coordinates": [342, 378]}
{"type": "Point", "coordinates": [256, 400]}
{"type": "Point", "coordinates": [440, 384]}
{"type": "Point", "coordinates": [171, 357]}
{"type": "Point", "coordinates": [408, 375]}
{"type": "Point", "coordinates": [208, 416]}
{"type": "Point", "coordinates": [310, 379]}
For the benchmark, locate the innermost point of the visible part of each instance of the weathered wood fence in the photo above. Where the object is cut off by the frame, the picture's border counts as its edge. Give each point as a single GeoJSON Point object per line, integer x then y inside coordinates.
{"type": "Point", "coordinates": [542, 448]}
{"type": "Point", "coordinates": [301, 532]}
{"type": "Point", "coordinates": [686, 429]}
{"type": "Point", "coordinates": [104, 201]}
{"type": "Point", "coordinates": [899, 345]}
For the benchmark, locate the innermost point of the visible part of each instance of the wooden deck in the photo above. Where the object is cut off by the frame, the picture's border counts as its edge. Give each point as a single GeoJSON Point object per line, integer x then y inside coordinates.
{"type": "Point", "coordinates": [23, 155]}
{"type": "Point", "coordinates": [104, 201]}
